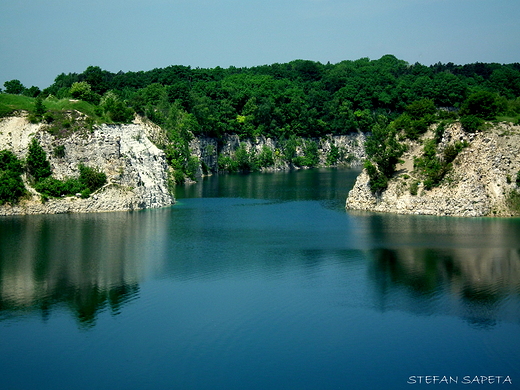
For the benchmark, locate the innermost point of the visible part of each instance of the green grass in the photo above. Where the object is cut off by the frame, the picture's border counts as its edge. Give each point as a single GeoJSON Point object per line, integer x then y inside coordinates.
{"type": "Point", "coordinates": [12, 103]}
{"type": "Point", "coordinates": [9, 104]}
{"type": "Point", "coordinates": [512, 119]}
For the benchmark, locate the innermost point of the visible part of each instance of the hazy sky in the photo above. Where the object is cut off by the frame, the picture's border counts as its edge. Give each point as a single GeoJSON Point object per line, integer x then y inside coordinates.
{"type": "Point", "coordinates": [41, 39]}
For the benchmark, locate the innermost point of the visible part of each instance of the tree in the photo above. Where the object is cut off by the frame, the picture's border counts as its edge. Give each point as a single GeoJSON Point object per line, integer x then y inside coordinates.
{"type": "Point", "coordinates": [11, 183]}
{"type": "Point", "coordinates": [82, 90]}
{"type": "Point", "coordinates": [14, 87]}
{"type": "Point", "coordinates": [116, 109]}
{"type": "Point", "coordinates": [32, 92]}
{"type": "Point", "coordinates": [91, 178]}
{"type": "Point", "coordinates": [37, 164]}
{"type": "Point", "coordinates": [39, 108]}
{"type": "Point", "coordinates": [383, 151]}
{"type": "Point", "coordinates": [421, 108]}
{"type": "Point", "coordinates": [482, 104]}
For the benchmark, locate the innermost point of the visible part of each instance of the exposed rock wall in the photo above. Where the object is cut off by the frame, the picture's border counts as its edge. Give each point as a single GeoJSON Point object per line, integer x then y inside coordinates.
{"type": "Point", "coordinates": [207, 149]}
{"type": "Point", "coordinates": [483, 174]}
{"type": "Point", "coordinates": [136, 169]}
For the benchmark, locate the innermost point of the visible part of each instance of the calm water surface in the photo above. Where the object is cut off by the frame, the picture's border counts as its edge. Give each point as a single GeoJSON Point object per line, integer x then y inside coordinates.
{"type": "Point", "coordinates": [259, 281]}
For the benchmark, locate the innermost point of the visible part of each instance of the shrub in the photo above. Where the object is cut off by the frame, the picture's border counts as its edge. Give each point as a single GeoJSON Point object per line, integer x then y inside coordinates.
{"type": "Point", "coordinates": [311, 154]}
{"type": "Point", "coordinates": [11, 183]}
{"type": "Point", "coordinates": [243, 158]}
{"type": "Point", "coordinates": [471, 123]}
{"type": "Point", "coordinates": [482, 104]}
{"type": "Point", "coordinates": [421, 108]}
{"type": "Point", "coordinates": [52, 187]}
{"type": "Point", "coordinates": [82, 90]}
{"type": "Point", "coordinates": [439, 132]}
{"type": "Point", "coordinates": [378, 181]}
{"type": "Point", "coordinates": [334, 155]}
{"type": "Point", "coordinates": [452, 151]}
{"type": "Point", "coordinates": [191, 167]}
{"type": "Point", "coordinates": [414, 188]}
{"type": "Point", "coordinates": [517, 181]}
{"type": "Point", "coordinates": [91, 178]}
{"type": "Point", "coordinates": [513, 201]}
{"type": "Point", "coordinates": [37, 164]}
{"type": "Point", "coordinates": [115, 109]}
{"type": "Point", "coordinates": [430, 166]}
{"type": "Point", "coordinates": [9, 162]}
{"type": "Point", "coordinates": [383, 152]}
{"type": "Point", "coordinates": [59, 151]}
{"type": "Point", "coordinates": [265, 158]}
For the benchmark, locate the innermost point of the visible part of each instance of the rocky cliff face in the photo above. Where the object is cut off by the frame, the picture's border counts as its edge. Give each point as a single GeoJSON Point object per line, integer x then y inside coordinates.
{"type": "Point", "coordinates": [136, 169]}
{"type": "Point", "coordinates": [208, 149]}
{"type": "Point", "coordinates": [479, 183]}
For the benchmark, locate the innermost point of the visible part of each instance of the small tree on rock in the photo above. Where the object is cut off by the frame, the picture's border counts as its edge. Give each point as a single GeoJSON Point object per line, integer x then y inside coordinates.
{"type": "Point", "coordinates": [37, 164]}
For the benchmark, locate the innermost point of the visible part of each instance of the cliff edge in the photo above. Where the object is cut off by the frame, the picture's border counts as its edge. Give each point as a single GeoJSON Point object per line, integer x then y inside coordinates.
{"type": "Point", "coordinates": [136, 169]}
{"type": "Point", "coordinates": [479, 183]}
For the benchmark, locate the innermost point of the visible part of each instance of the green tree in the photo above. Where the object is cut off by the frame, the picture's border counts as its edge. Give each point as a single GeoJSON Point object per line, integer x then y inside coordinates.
{"type": "Point", "coordinates": [14, 87]}
{"type": "Point", "coordinates": [482, 104]}
{"type": "Point", "coordinates": [11, 183]}
{"type": "Point", "coordinates": [32, 91]}
{"type": "Point", "coordinates": [37, 164]}
{"type": "Point", "coordinates": [91, 178]}
{"type": "Point", "coordinates": [421, 108]}
{"type": "Point", "coordinates": [39, 108]}
{"type": "Point", "coordinates": [115, 109]}
{"type": "Point", "coordinates": [82, 91]}
{"type": "Point", "coordinates": [383, 151]}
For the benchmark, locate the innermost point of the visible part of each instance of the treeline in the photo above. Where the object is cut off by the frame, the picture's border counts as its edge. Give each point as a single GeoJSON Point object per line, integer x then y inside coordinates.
{"type": "Point", "coordinates": [303, 98]}
{"type": "Point", "coordinates": [387, 97]}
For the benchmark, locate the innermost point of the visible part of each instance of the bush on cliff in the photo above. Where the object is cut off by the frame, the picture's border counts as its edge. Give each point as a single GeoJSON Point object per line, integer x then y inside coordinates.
{"type": "Point", "coordinates": [37, 164]}
{"type": "Point", "coordinates": [89, 180]}
{"type": "Point", "coordinates": [11, 183]}
{"type": "Point", "coordinates": [383, 152]}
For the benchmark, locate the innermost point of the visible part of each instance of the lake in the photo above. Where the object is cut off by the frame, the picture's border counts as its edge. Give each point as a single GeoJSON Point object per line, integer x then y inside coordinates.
{"type": "Point", "coordinates": [260, 281]}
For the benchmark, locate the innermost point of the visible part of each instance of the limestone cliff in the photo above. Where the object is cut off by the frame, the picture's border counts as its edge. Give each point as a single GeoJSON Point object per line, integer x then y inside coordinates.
{"type": "Point", "coordinates": [136, 169]}
{"type": "Point", "coordinates": [482, 176]}
{"type": "Point", "coordinates": [207, 150]}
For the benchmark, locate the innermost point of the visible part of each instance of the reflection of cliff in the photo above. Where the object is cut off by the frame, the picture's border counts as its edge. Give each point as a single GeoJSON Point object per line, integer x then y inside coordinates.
{"type": "Point", "coordinates": [464, 267]}
{"type": "Point", "coordinates": [475, 284]}
{"type": "Point", "coordinates": [296, 185]}
{"type": "Point", "coordinates": [87, 263]}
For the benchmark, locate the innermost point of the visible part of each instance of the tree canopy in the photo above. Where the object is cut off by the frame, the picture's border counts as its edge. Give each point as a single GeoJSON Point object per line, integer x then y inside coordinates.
{"type": "Point", "coordinates": [301, 97]}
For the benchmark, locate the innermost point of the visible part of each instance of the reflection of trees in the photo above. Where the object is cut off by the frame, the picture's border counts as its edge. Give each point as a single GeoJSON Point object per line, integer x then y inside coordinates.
{"type": "Point", "coordinates": [86, 263]}
{"type": "Point", "coordinates": [472, 283]}
{"type": "Point", "coordinates": [322, 184]}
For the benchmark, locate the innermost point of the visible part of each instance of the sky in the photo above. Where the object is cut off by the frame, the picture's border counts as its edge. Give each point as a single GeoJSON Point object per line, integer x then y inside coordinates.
{"type": "Point", "coordinates": [41, 39]}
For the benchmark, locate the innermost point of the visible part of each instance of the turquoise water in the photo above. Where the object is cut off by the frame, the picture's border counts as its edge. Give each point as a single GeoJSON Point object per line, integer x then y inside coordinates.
{"type": "Point", "coordinates": [258, 281]}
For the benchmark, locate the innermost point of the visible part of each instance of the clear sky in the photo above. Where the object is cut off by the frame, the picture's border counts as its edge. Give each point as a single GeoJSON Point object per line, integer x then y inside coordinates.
{"type": "Point", "coordinates": [41, 39]}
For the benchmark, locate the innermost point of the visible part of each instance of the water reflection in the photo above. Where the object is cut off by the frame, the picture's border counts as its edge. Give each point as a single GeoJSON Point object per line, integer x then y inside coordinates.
{"type": "Point", "coordinates": [325, 184]}
{"type": "Point", "coordinates": [86, 263]}
{"type": "Point", "coordinates": [468, 268]}
{"type": "Point", "coordinates": [462, 267]}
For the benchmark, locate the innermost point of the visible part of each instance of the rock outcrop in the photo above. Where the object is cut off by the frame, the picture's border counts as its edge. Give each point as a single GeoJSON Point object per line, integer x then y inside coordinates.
{"type": "Point", "coordinates": [482, 177]}
{"type": "Point", "coordinates": [207, 149]}
{"type": "Point", "coordinates": [137, 172]}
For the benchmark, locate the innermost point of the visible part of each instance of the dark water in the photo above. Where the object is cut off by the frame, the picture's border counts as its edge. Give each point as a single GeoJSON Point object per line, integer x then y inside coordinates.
{"type": "Point", "coordinates": [259, 282]}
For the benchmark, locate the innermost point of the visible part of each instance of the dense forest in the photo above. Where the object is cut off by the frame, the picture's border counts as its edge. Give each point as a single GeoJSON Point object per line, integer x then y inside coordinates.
{"type": "Point", "coordinates": [301, 98]}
